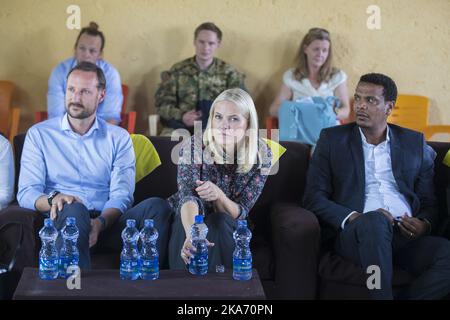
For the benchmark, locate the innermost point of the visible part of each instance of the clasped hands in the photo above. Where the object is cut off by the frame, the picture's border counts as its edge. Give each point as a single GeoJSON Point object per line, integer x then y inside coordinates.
{"type": "Point", "coordinates": [410, 227]}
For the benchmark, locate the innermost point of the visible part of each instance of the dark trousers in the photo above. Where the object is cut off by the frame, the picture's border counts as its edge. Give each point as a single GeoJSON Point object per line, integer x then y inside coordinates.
{"type": "Point", "coordinates": [220, 231]}
{"type": "Point", "coordinates": [110, 239]}
{"type": "Point", "coordinates": [371, 240]}
{"type": "Point", "coordinates": [26, 256]}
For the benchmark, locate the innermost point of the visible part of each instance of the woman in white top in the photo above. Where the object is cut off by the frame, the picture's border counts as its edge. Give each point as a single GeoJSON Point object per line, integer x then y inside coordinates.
{"type": "Point", "coordinates": [6, 173]}
{"type": "Point", "coordinates": [314, 75]}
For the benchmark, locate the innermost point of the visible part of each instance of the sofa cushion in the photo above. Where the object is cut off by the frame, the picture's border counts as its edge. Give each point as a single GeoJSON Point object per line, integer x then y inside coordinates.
{"type": "Point", "coordinates": [263, 259]}
{"type": "Point", "coordinates": [287, 185]}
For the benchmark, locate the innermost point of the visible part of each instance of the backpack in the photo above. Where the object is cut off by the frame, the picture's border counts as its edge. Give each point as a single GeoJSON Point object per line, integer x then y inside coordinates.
{"type": "Point", "coordinates": [303, 121]}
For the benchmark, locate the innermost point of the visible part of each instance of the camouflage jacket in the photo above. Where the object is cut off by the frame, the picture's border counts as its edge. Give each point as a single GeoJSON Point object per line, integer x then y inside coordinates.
{"type": "Point", "coordinates": [185, 84]}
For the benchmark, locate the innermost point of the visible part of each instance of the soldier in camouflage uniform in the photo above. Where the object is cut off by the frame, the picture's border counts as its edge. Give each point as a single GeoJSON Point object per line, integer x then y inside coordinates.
{"type": "Point", "coordinates": [191, 85]}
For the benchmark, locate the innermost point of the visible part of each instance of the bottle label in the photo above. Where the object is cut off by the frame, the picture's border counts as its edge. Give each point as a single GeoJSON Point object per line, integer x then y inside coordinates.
{"type": "Point", "coordinates": [48, 268]}
{"type": "Point", "coordinates": [49, 265]}
{"type": "Point", "coordinates": [129, 265]}
{"type": "Point", "coordinates": [65, 262]}
{"type": "Point", "coordinates": [200, 261]}
{"type": "Point", "coordinates": [150, 266]}
{"type": "Point", "coordinates": [242, 265]}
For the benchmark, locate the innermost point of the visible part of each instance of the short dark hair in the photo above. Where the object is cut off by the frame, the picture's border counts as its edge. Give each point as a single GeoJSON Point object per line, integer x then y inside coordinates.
{"type": "Point", "coordinates": [92, 30]}
{"type": "Point", "coordinates": [210, 27]}
{"type": "Point", "coordinates": [91, 67]}
{"type": "Point", "coordinates": [389, 86]}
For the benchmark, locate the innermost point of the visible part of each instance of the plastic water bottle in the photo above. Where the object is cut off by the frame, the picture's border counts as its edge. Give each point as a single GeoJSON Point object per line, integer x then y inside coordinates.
{"type": "Point", "coordinates": [242, 256]}
{"type": "Point", "coordinates": [48, 256]}
{"type": "Point", "coordinates": [199, 262]}
{"type": "Point", "coordinates": [149, 255]}
{"type": "Point", "coordinates": [69, 254]}
{"type": "Point", "coordinates": [129, 257]}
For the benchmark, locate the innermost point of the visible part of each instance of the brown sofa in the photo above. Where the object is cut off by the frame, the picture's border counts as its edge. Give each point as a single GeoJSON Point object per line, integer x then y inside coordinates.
{"type": "Point", "coordinates": [286, 238]}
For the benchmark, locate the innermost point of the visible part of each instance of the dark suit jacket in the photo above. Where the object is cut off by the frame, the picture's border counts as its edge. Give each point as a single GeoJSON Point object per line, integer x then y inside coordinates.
{"type": "Point", "coordinates": [336, 177]}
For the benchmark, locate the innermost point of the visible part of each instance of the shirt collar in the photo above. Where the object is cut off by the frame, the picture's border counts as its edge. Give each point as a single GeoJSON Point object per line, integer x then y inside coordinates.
{"type": "Point", "coordinates": [210, 67]}
{"type": "Point", "coordinates": [65, 125]}
{"type": "Point", "coordinates": [364, 140]}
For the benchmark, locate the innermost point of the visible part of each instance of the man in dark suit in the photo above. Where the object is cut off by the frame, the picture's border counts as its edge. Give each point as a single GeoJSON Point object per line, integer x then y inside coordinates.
{"type": "Point", "coordinates": [371, 186]}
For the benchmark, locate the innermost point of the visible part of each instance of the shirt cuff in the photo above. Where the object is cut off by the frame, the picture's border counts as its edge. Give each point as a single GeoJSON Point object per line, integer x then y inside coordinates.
{"type": "Point", "coordinates": [29, 199]}
{"type": "Point", "coordinates": [116, 204]}
{"type": "Point", "coordinates": [428, 225]}
{"type": "Point", "coordinates": [346, 218]}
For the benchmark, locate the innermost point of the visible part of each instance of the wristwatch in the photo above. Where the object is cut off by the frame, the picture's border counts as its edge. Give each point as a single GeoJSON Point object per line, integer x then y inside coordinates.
{"type": "Point", "coordinates": [51, 196]}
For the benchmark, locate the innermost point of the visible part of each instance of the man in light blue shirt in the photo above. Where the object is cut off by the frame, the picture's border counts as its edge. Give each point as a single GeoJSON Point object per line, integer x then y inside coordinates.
{"type": "Point", "coordinates": [89, 48]}
{"type": "Point", "coordinates": [77, 165]}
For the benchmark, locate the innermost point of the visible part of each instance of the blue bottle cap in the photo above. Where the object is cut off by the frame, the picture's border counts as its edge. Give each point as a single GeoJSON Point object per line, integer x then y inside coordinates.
{"type": "Point", "coordinates": [148, 223]}
{"type": "Point", "coordinates": [48, 222]}
{"type": "Point", "coordinates": [198, 219]}
{"type": "Point", "coordinates": [131, 223]}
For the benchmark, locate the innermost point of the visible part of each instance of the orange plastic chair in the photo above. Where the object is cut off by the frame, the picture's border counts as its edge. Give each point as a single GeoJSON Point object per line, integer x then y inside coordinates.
{"type": "Point", "coordinates": [128, 120]}
{"type": "Point", "coordinates": [411, 111]}
{"type": "Point", "coordinates": [271, 124]}
{"type": "Point", "coordinates": [9, 116]}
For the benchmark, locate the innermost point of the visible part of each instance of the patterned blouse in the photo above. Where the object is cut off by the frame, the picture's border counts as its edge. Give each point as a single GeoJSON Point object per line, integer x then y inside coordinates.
{"type": "Point", "coordinates": [242, 188]}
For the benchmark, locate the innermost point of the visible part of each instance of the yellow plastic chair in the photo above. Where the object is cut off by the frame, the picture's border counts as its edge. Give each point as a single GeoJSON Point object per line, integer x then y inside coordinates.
{"type": "Point", "coordinates": [9, 116]}
{"type": "Point", "coordinates": [147, 158]}
{"type": "Point", "coordinates": [277, 150]}
{"type": "Point", "coordinates": [411, 112]}
{"type": "Point", "coordinates": [430, 131]}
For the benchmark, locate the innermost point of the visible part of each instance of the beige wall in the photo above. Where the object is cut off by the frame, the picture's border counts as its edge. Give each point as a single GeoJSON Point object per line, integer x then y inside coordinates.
{"type": "Point", "coordinates": [260, 38]}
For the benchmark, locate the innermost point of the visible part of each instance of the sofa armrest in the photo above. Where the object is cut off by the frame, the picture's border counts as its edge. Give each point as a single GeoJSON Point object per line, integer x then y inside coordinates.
{"type": "Point", "coordinates": [296, 244]}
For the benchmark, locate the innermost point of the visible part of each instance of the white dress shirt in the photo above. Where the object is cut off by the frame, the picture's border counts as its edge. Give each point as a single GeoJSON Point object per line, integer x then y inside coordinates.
{"type": "Point", "coordinates": [6, 173]}
{"type": "Point", "coordinates": [304, 88]}
{"type": "Point", "coordinates": [381, 190]}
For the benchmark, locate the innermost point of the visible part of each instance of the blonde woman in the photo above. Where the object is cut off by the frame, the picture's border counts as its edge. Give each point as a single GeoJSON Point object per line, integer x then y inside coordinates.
{"type": "Point", "coordinates": [224, 174]}
{"type": "Point", "coordinates": [314, 75]}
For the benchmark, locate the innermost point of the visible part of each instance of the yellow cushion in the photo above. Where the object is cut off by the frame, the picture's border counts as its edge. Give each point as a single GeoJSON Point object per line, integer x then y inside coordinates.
{"type": "Point", "coordinates": [277, 150]}
{"type": "Point", "coordinates": [447, 159]}
{"type": "Point", "coordinates": [147, 159]}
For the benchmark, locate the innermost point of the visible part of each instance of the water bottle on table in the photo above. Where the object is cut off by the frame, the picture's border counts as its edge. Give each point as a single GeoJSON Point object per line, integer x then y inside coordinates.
{"type": "Point", "coordinates": [149, 256]}
{"type": "Point", "coordinates": [198, 264]}
{"type": "Point", "coordinates": [242, 256]}
{"type": "Point", "coordinates": [48, 255]}
{"type": "Point", "coordinates": [69, 254]}
{"type": "Point", "coordinates": [129, 257]}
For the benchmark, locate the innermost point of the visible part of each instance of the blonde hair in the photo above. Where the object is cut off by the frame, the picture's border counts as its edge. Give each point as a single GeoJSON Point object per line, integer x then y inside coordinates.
{"type": "Point", "coordinates": [247, 151]}
{"type": "Point", "coordinates": [327, 70]}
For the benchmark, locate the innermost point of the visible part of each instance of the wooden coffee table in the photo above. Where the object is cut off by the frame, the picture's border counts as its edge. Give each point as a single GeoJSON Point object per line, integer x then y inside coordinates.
{"type": "Point", "coordinates": [172, 284]}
